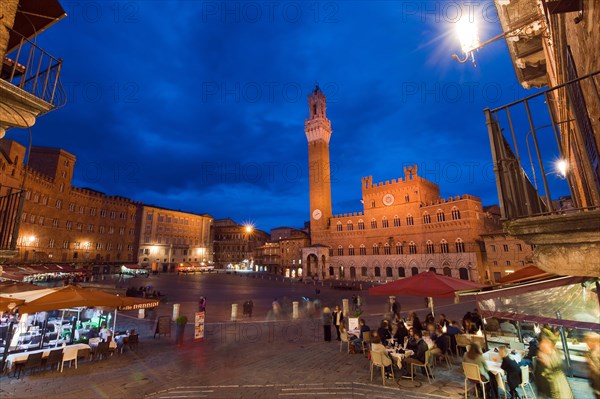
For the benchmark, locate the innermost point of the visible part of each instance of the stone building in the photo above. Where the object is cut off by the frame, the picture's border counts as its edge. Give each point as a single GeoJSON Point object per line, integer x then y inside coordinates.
{"type": "Point", "coordinates": [505, 254]}
{"type": "Point", "coordinates": [404, 228]}
{"type": "Point", "coordinates": [236, 245]}
{"type": "Point", "coordinates": [552, 44]}
{"type": "Point", "coordinates": [171, 239]}
{"type": "Point", "coordinates": [59, 222]}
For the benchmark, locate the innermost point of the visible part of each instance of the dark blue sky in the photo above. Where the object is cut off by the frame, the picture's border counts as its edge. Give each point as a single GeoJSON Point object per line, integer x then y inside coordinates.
{"type": "Point", "coordinates": [200, 105]}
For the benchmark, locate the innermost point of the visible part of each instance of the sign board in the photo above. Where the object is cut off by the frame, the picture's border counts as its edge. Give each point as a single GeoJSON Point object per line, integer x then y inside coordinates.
{"type": "Point", "coordinates": [199, 326]}
{"type": "Point", "coordinates": [163, 326]}
{"type": "Point", "coordinates": [353, 323]}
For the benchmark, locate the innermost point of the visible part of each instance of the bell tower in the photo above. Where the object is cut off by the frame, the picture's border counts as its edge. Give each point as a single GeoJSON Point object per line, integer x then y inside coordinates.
{"type": "Point", "coordinates": [318, 132]}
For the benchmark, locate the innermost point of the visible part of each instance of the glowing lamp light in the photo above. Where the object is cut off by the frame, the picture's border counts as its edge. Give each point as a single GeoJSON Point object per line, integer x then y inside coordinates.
{"type": "Point", "coordinates": [444, 329]}
{"type": "Point", "coordinates": [466, 29]}
{"type": "Point", "coordinates": [537, 329]}
{"type": "Point", "coordinates": [561, 167]}
{"type": "Point", "coordinates": [479, 333]}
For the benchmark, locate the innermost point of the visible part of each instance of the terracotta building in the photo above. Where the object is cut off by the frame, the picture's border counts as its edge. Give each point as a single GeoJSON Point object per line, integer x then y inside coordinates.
{"type": "Point", "coordinates": [235, 245]}
{"type": "Point", "coordinates": [404, 228]}
{"type": "Point", "coordinates": [59, 222]}
{"type": "Point", "coordinates": [171, 239]}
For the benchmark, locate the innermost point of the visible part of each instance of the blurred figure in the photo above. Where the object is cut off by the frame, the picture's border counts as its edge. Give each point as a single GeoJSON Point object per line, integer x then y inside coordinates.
{"type": "Point", "coordinates": [475, 356]}
{"type": "Point", "coordinates": [512, 370]}
{"type": "Point", "coordinates": [550, 379]}
{"type": "Point", "coordinates": [592, 339]}
{"type": "Point", "coordinates": [326, 323]}
{"type": "Point", "coordinates": [338, 320]}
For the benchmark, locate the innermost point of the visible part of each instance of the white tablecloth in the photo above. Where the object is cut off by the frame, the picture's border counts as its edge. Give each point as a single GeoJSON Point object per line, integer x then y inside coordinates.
{"type": "Point", "coordinates": [21, 356]}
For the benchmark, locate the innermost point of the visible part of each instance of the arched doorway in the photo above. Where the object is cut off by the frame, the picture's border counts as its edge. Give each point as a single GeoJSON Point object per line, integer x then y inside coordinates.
{"type": "Point", "coordinates": [463, 273]}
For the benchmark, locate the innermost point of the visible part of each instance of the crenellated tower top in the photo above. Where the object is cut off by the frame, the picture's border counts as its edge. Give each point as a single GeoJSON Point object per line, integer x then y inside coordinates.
{"type": "Point", "coordinates": [317, 126]}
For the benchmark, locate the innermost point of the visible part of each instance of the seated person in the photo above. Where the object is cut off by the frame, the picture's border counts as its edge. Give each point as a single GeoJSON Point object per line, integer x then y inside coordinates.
{"type": "Point", "coordinates": [475, 356]}
{"type": "Point", "coordinates": [507, 327]}
{"type": "Point", "coordinates": [401, 333]}
{"type": "Point", "coordinates": [532, 352]}
{"type": "Point", "coordinates": [384, 332]}
{"type": "Point", "coordinates": [412, 341]}
{"type": "Point", "coordinates": [377, 346]}
{"type": "Point", "coordinates": [418, 357]}
{"type": "Point", "coordinates": [358, 341]}
{"type": "Point", "coordinates": [512, 370]}
{"type": "Point", "coordinates": [104, 332]}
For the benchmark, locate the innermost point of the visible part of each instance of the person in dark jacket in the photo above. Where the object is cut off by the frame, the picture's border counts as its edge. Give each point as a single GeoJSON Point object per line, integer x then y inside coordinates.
{"type": "Point", "coordinates": [512, 370]}
{"type": "Point", "coordinates": [384, 332]}
{"type": "Point", "coordinates": [418, 357]}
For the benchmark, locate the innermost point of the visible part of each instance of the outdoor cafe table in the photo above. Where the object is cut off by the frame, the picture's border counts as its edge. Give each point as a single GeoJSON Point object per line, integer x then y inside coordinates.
{"type": "Point", "coordinates": [22, 356]}
{"type": "Point", "coordinates": [494, 362]}
{"type": "Point", "coordinates": [398, 357]}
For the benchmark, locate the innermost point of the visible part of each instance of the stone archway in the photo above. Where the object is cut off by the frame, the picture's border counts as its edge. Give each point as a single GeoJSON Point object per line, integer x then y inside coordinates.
{"type": "Point", "coordinates": [316, 261]}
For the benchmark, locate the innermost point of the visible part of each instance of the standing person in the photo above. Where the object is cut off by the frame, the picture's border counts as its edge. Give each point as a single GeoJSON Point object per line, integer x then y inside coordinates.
{"type": "Point", "coordinates": [326, 318]}
{"type": "Point", "coordinates": [512, 370]}
{"type": "Point", "coordinates": [550, 379]}
{"type": "Point", "coordinates": [394, 308]}
{"type": "Point", "coordinates": [202, 304]}
{"type": "Point", "coordinates": [354, 306]}
{"type": "Point", "coordinates": [592, 339]}
{"type": "Point", "coordinates": [338, 318]}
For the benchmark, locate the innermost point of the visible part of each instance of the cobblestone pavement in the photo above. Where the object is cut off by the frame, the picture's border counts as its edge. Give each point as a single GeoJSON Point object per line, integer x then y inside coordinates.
{"type": "Point", "coordinates": [245, 359]}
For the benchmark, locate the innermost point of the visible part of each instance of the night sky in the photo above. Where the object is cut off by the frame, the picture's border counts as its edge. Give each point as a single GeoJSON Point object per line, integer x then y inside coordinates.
{"type": "Point", "coordinates": [200, 105]}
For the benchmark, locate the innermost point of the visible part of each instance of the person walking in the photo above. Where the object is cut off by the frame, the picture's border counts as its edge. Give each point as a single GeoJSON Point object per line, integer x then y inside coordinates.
{"type": "Point", "coordinates": [550, 379]}
{"type": "Point", "coordinates": [326, 317]}
{"type": "Point", "coordinates": [338, 318]}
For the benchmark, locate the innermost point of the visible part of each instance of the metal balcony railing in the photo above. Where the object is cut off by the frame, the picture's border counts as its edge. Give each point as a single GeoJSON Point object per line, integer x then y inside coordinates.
{"type": "Point", "coordinates": [35, 71]}
{"type": "Point", "coordinates": [10, 205]}
{"type": "Point", "coordinates": [543, 148]}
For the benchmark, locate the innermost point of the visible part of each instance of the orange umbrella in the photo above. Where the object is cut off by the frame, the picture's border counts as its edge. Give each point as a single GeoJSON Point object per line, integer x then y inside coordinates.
{"type": "Point", "coordinates": [69, 297]}
{"type": "Point", "coordinates": [7, 304]}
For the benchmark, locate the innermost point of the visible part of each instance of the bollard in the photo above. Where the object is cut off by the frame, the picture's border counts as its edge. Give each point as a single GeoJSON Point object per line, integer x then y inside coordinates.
{"type": "Point", "coordinates": [234, 312]}
{"type": "Point", "coordinates": [141, 313]}
{"type": "Point", "coordinates": [175, 311]}
{"type": "Point", "coordinates": [295, 310]}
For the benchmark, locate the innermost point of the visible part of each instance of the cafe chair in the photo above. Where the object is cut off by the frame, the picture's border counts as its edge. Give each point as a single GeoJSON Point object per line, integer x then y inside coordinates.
{"type": "Point", "coordinates": [525, 382]}
{"type": "Point", "coordinates": [479, 341]}
{"type": "Point", "coordinates": [101, 351]}
{"type": "Point", "coordinates": [69, 354]}
{"type": "Point", "coordinates": [425, 365]}
{"type": "Point", "coordinates": [502, 385]}
{"type": "Point", "coordinates": [366, 342]}
{"type": "Point", "coordinates": [472, 374]}
{"type": "Point", "coordinates": [34, 360]}
{"type": "Point", "coordinates": [84, 353]}
{"type": "Point", "coordinates": [54, 358]}
{"type": "Point", "coordinates": [133, 341]}
{"type": "Point", "coordinates": [344, 340]}
{"type": "Point", "coordinates": [462, 341]}
{"type": "Point", "coordinates": [519, 346]}
{"type": "Point", "coordinates": [378, 359]}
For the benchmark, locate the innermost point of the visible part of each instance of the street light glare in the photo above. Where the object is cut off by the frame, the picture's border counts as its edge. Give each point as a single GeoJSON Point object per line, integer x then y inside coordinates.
{"type": "Point", "coordinates": [561, 167]}
{"type": "Point", "coordinates": [466, 29]}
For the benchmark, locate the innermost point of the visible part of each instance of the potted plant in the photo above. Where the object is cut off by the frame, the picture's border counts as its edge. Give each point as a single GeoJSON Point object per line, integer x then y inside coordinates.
{"type": "Point", "coordinates": [180, 323]}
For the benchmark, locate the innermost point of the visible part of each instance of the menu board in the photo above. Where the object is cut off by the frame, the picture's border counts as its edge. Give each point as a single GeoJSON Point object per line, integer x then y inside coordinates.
{"type": "Point", "coordinates": [163, 326]}
{"type": "Point", "coordinates": [199, 326]}
{"type": "Point", "coordinates": [353, 323]}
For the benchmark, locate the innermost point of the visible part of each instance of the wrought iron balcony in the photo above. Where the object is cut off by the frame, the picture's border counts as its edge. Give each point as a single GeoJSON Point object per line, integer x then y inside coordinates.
{"type": "Point", "coordinates": [32, 70]}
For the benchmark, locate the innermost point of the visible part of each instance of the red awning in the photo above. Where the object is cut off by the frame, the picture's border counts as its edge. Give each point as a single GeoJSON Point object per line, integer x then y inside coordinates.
{"type": "Point", "coordinates": [525, 288]}
{"type": "Point", "coordinates": [525, 274]}
{"type": "Point", "coordinates": [134, 266]}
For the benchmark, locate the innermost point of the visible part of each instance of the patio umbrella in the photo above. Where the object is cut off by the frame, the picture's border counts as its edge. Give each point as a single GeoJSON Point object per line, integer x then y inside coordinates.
{"type": "Point", "coordinates": [428, 284]}
{"type": "Point", "coordinates": [7, 304]}
{"type": "Point", "coordinates": [69, 297]}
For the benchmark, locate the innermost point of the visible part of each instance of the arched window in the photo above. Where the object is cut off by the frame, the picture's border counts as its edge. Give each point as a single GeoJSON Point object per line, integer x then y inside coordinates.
{"type": "Point", "coordinates": [349, 225]}
{"type": "Point", "coordinates": [432, 269]}
{"type": "Point", "coordinates": [409, 220]}
{"type": "Point", "coordinates": [361, 224]}
{"type": "Point", "coordinates": [447, 271]}
{"type": "Point", "coordinates": [362, 250]}
{"type": "Point", "coordinates": [331, 273]}
{"type": "Point", "coordinates": [444, 246]}
{"type": "Point", "coordinates": [396, 221]}
{"type": "Point", "coordinates": [388, 272]}
{"type": "Point", "coordinates": [338, 226]}
{"type": "Point", "coordinates": [351, 250]}
{"type": "Point", "coordinates": [399, 249]}
{"type": "Point", "coordinates": [373, 223]}
{"type": "Point", "coordinates": [352, 272]}
{"type": "Point", "coordinates": [401, 272]}
{"type": "Point", "coordinates": [372, 204]}
{"type": "Point", "coordinates": [377, 271]}
{"type": "Point", "coordinates": [430, 247]}
{"type": "Point", "coordinates": [426, 218]}
{"type": "Point", "coordinates": [363, 271]}
{"type": "Point", "coordinates": [384, 223]}
{"type": "Point", "coordinates": [455, 213]}
{"type": "Point", "coordinates": [463, 273]}
{"type": "Point", "coordinates": [375, 249]}
{"type": "Point", "coordinates": [412, 247]}
{"type": "Point", "coordinates": [340, 251]}
{"type": "Point", "coordinates": [414, 271]}
{"type": "Point", "coordinates": [440, 216]}
{"type": "Point", "coordinates": [387, 250]}
{"type": "Point", "coordinates": [460, 245]}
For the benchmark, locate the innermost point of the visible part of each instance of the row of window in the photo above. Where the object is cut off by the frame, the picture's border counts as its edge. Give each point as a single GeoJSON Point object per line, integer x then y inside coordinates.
{"type": "Point", "coordinates": [508, 263]}
{"type": "Point", "coordinates": [69, 225]}
{"type": "Point", "coordinates": [174, 220]}
{"type": "Point", "coordinates": [172, 240]}
{"type": "Point", "coordinates": [409, 221]}
{"type": "Point", "coordinates": [79, 209]}
{"type": "Point", "coordinates": [463, 273]}
{"type": "Point", "coordinates": [35, 242]}
{"type": "Point", "coordinates": [459, 247]}
{"type": "Point", "coordinates": [506, 247]}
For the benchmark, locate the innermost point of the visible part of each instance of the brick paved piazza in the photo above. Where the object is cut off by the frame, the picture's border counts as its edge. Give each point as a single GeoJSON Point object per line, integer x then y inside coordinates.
{"type": "Point", "coordinates": [257, 358]}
